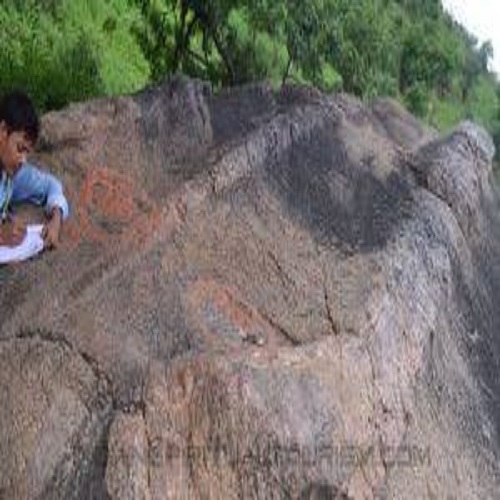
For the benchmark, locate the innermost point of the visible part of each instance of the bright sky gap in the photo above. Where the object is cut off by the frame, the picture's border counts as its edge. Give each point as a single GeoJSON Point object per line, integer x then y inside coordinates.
{"type": "Point", "coordinates": [480, 17]}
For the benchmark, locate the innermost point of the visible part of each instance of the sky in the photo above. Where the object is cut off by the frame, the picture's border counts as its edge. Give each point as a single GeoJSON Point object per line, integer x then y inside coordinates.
{"type": "Point", "coordinates": [479, 17]}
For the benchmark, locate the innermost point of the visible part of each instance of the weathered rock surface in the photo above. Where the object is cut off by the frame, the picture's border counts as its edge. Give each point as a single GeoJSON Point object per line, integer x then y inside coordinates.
{"type": "Point", "coordinates": [259, 295]}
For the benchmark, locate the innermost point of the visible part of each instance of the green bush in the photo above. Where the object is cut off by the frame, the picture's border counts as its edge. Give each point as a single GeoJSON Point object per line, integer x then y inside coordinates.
{"type": "Point", "coordinates": [61, 51]}
{"type": "Point", "coordinates": [417, 99]}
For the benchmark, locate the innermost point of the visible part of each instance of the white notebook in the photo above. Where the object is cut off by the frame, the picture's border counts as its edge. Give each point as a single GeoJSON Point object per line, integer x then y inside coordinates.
{"type": "Point", "coordinates": [31, 245]}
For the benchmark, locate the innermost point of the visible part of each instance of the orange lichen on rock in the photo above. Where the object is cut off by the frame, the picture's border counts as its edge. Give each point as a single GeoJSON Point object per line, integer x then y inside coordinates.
{"type": "Point", "coordinates": [230, 310]}
{"type": "Point", "coordinates": [111, 207]}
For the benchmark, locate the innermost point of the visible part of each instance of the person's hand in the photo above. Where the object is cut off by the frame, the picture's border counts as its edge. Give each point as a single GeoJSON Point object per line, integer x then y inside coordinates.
{"type": "Point", "coordinates": [12, 232]}
{"type": "Point", "coordinates": [50, 232]}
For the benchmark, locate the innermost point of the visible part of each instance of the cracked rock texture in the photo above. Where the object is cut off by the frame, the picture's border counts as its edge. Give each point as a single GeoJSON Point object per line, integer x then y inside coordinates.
{"type": "Point", "coordinates": [259, 295]}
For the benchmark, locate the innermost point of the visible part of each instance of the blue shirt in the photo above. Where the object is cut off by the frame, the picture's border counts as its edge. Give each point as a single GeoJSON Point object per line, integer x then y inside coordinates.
{"type": "Point", "coordinates": [34, 186]}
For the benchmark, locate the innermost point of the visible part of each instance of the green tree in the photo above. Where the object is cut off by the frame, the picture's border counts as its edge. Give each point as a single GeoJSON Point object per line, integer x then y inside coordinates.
{"type": "Point", "coordinates": [64, 50]}
{"type": "Point", "coordinates": [61, 50]}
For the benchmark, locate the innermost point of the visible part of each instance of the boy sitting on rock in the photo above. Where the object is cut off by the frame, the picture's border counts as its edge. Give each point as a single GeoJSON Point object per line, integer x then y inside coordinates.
{"type": "Point", "coordinates": [21, 181]}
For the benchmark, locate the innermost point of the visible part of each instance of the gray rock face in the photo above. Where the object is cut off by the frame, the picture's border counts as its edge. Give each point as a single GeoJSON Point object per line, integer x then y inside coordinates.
{"type": "Point", "coordinates": [55, 412]}
{"type": "Point", "coordinates": [127, 467]}
{"type": "Point", "coordinates": [259, 295]}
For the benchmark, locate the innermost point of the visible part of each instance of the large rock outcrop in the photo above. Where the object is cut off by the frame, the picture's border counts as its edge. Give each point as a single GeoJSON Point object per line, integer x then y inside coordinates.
{"type": "Point", "coordinates": [258, 295]}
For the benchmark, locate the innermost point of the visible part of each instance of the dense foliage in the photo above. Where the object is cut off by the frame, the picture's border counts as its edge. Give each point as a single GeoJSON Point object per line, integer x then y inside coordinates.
{"type": "Point", "coordinates": [64, 50]}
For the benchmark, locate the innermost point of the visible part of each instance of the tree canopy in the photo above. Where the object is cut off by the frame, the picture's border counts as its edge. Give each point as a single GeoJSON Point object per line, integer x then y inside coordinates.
{"type": "Point", "coordinates": [66, 50]}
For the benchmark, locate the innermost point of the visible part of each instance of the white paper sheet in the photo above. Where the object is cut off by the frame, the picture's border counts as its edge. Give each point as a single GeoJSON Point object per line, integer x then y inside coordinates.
{"type": "Point", "coordinates": [31, 245]}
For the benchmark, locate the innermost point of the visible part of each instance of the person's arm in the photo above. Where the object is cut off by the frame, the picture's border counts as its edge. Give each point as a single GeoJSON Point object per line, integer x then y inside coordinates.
{"type": "Point", "coordinates": [51, 230]}
{"type": "Point", "coordinates": [41, 188]}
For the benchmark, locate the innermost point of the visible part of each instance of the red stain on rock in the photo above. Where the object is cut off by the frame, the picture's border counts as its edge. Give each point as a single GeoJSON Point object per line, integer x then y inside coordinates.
{"type": "Point", "coordinates": [229, 306]}
{"type": "Point", "coordinates": [110, 207]}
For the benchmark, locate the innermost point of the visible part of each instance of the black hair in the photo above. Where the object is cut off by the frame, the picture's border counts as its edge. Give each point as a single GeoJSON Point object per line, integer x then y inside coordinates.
{"type": "Point", "coordinates": [19, 115]}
